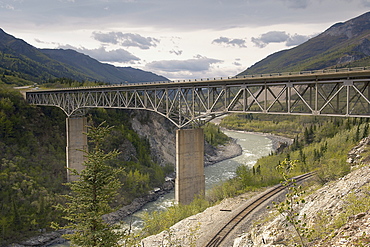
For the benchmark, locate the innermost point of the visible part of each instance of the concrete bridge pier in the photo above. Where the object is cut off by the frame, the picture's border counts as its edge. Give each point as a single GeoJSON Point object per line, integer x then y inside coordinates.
{"type": "Point", "coordinates": [76, 141]}
{"type": "Point", "coordinates": [190, 179]}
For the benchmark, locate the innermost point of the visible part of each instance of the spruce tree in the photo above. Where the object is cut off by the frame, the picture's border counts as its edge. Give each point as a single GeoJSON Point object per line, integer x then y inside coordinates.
{"type": "Point", "coordinates": [366, 130]}
{"type": "Point", "coordinates": [90, 196]}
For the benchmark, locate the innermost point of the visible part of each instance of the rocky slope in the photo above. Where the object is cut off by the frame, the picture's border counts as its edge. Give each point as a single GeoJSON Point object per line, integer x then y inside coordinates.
{"type": "Point", "coordinates": [334, 211]}
{"type": "Point", "coordinates": [324, 210]}
{"type": "Point", "coordinates": [161, 135]}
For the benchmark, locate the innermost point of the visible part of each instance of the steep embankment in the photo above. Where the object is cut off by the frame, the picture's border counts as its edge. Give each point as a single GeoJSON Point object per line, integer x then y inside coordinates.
{"type": "Point", "coordinates": [32, 163]}
{"type": "Point", "coordinates": [339, 213]}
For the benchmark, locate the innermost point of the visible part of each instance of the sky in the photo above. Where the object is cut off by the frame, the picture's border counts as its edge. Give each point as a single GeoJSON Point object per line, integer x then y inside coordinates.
{"type": "Point", "coordinates": [178, 39]}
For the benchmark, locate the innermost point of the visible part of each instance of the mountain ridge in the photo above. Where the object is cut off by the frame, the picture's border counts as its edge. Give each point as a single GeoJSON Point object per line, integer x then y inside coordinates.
{"type": "Point", "coordinates": [18, 59]}
{"type": "Point", "coordinates": [344, 44]}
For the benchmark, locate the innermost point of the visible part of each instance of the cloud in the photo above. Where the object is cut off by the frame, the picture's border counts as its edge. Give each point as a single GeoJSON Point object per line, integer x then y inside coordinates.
{"type": "Point", "coordinates": [365, 3]}
{"type": "Point", "coordinates": [196, 64]}
{"type": "Point", "coordinates": [230, 42]}
{"type": "Point", "coordinates": [237, 64]}
{"type": "Point", "coordinates": [176, 52]}
{"type": "Point", "coordinates": [6, 6]}
{"type": "Point", "coordinates": [126, 39]}
{"type": "Point", "coordinates": [279, 37]}
{"type": "Point", "coordinates": [164, 14]}
{"type": "Point", "coordinates": [297, 4]}
{"type": "Point", "coordinates": [44, 42]}
{"type": "Point", "coordinates": [101, 54]}
{"type": "Point", "coordinates": [297, 39]}
{"type": "Point", "coordinates": [270, 37]}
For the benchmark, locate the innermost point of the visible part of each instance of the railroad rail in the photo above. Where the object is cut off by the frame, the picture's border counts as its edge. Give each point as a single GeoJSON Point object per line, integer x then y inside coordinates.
{"type": "Point", "coordinates": [227, 229]}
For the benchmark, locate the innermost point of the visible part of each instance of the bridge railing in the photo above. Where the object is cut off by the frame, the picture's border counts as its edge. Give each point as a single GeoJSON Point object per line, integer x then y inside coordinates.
{"type": "Point", "coordinates": [325, 93]}
{"type": "Point", "coordinates": [277, 74]}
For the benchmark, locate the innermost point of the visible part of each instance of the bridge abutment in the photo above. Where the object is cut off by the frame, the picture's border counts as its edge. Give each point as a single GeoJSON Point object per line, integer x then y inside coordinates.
{"type": "Point", "coordinates": [76, 141]}
{"type": "Point", "coordinates": [190, 179]}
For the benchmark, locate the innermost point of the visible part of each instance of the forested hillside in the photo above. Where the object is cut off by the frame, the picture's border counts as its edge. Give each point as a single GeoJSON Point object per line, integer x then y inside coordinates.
{"type": "Point", "coordinates": [23, 64]}
{"type": "Point", "coordinates": [32, 162]}
{"type": "Point", "coordinates": [320, 143]}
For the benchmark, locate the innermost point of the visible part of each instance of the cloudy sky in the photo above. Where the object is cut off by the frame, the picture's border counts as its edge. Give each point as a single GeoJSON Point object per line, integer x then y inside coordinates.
{"type": "Point", "coordinates": [179, 39]}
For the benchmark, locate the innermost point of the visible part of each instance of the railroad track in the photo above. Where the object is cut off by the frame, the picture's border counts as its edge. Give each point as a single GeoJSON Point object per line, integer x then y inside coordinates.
{"type": "Point", "coordinates": [225, 231]}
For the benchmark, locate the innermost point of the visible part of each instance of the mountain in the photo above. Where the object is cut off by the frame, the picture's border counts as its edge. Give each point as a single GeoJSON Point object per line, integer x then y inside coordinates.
{"type": "Point", "coordinates": [100, 71]}
{"type": "Point", "coordinates": [22, 63]}
{"type": "Point", "coordinates": [342, 45]}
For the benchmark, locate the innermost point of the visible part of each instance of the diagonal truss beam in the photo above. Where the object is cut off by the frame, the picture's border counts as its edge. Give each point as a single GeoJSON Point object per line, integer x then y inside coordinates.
{"type": "Point", "coordinates": [187, 103]}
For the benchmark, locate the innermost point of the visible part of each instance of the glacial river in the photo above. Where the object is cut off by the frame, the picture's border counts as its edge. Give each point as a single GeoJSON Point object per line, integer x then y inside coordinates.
{"type": "Point", "coordinates": [254, 147]}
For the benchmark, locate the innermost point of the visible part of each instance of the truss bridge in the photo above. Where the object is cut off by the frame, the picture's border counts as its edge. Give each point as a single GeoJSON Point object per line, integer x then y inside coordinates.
{"type": "Point", "coordinates": [335, 92]}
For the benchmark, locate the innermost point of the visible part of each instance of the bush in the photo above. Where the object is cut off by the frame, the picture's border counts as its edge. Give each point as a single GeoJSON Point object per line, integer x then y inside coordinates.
{"type": "Point", "coordinates": [159, 221]}
{"type": "Point", "coordinates": [214, 136]}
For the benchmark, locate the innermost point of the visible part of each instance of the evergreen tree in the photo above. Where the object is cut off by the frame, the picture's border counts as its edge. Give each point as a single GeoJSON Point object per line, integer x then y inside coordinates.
{"type": "Point", "coordinates": [357, 134]}
{"type": "Point", "coordinates": [91, 194]}
{"type": "Point", "coordinates": [366, 131]}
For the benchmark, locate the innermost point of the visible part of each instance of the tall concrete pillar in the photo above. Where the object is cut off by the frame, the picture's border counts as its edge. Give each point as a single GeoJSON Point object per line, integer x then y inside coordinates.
{"type": "Point", "coordinates": [190, 179]}
{"type": "Point", "coordinates": [76, 141]}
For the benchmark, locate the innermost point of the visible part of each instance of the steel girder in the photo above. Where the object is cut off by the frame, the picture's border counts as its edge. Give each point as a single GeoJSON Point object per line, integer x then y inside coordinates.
{"type": "Point", "coordinates": [198, 102]}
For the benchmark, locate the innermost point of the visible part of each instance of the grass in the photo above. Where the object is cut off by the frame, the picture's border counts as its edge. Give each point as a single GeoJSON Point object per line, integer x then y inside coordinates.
{"type": "Point", "coordinates": [324, 149]}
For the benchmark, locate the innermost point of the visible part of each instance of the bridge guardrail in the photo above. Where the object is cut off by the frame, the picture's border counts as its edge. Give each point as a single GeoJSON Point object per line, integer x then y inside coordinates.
{"type": "Point", "coordinates": [277, 74]}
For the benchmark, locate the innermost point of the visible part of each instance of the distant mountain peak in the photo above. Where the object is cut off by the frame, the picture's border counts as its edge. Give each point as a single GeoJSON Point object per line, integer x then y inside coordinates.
{"type": "Point", "coordinates": [344, 44]}
{"type": "Point", "coordinates": [350, 28]}
{"type": "Point", "coordinates": [39, 65]}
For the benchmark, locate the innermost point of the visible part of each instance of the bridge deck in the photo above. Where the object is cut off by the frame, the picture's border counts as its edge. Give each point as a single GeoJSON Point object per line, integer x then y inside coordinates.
{"type": "Point", "coordinates": [336, 92]}
{"type": "Point", "coordinates": [302, 76]}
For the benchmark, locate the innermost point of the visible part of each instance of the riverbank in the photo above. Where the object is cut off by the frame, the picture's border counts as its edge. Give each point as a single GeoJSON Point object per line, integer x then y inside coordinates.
{"type": "Point", "coordinates": [212, 156]}
{"type": "Point", "coordinates": [225, 152]}
{"type": "Point", "coordinates": [215, 216]}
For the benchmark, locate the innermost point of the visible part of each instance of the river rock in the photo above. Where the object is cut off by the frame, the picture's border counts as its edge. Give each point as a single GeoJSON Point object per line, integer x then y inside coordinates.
{"type": "Point", "coordinates": [46, 239]}
{"type": "Point", "coordinates": [222, 152]}
{"type": "Point", "coordinates": [138, 203]}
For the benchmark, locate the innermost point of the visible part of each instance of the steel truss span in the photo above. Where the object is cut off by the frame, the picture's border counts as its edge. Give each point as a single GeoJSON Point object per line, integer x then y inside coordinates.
{"type": "Point", "coordinates": [343, 93]}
